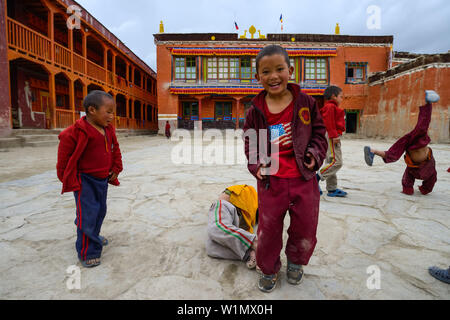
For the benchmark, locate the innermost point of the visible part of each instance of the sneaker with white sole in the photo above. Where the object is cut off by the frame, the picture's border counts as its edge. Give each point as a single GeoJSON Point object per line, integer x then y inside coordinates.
{"type": "Point", "coordinates": [267, 282]}
{"type": "Point", "coordinates": [294, 273]}
{"type": "Point", "coordinates": [431, 96]}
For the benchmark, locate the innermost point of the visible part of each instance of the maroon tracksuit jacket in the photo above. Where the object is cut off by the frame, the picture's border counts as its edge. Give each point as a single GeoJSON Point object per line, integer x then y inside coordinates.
{"type": "Point", "coordinates": [299, 196]}
{"type": "Point", "coordinates": [417, 138]}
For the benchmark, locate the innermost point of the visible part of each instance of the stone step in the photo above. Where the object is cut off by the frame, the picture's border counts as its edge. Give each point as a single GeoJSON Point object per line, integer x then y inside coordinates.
{"type": "Point", "coordinates": [128, 133]}
{"type": "Point", "coordinates": [24, 132]}
{"type": "Point", "coordinates": [6, 143]}
{"type": "Point", "coordinates": [36, 144]}
{"type": "Point", "coordinates": [38, 137]}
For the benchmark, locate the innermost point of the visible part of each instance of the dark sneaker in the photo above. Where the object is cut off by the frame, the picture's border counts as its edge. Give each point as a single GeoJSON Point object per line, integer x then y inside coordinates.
{"type": "Point", "coordinates": [431, 96]}
{"type": "Point", "coordinates": [440, 274]}
{"type": "Point", "coordinates": [337, 193]}
{"type": "Point", "coordinates": [368, 156]}
{"type": "Point", "coordinates": [267, 283]}
{"type": "Point", "coordinates": [294, 273]}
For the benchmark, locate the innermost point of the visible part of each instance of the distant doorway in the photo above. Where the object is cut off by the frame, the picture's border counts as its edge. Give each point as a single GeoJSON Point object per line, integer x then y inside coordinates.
{"type": "Point", "coordinates": [351, 121]}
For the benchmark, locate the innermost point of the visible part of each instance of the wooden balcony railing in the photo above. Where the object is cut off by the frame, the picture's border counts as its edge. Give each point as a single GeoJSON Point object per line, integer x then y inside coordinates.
{"type": "Point", "coordinates": [111, 80]}
{"type": "Point", "coordinates": [121, 123]}
{"type": "Point", "coordinates": [64, 118]}
{"type": "Point", "coordinates": [23, 38]}
{"type": "Point", "coordinates": [78, 63]}
{"type": "Point", "coordinates": [96, 72]}
{"type": "Point", "coordinates": [62, 56]}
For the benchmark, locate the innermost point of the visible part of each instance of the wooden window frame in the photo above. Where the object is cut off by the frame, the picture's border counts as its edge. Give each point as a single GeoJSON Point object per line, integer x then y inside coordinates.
{"type": "Point", "coordinates": [185, 72]}
{"type": "Point", "coordinates": [190, 102]}
{"type": "Point", "coordinates": [223, 111]}
{"type": "Point", "coordinates": [233, 73]}
{"type": "Point", "coordinates": [356, 65]}
{"type": "Point", "coordinates": [315, 79]}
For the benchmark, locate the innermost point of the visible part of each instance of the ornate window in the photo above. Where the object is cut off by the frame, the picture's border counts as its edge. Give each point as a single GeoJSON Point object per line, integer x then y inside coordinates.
{"type": "Point", "coordinates": [185, 68]}
{"type": "Point", "coordinates": [212, 69]}
{"type": "Point", "coordinates": [316, 70]}
{"type": "Point", "coordinates": [355, 72]}
{"type": "Point", "coordinates": [234, 69]}
{"type": "Point", "coordinates": [248, 69]}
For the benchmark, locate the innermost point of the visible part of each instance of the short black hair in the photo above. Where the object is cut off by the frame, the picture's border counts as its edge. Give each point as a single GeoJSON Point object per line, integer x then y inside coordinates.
{"type": "Point", "coordinates": [271, 50]}
{"type": "Point", "coordinates": [95, 99]}
{"type": "Point", "coordinates": [331, 91]}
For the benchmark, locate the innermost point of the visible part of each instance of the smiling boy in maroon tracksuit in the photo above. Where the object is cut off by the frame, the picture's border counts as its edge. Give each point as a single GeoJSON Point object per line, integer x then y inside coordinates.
{"type": "Point", "coordinates": [293, 122]}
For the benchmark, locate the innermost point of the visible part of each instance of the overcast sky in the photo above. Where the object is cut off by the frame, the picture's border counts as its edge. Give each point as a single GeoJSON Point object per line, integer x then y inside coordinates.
{"type": "Point", "coordinates": [419, 26]}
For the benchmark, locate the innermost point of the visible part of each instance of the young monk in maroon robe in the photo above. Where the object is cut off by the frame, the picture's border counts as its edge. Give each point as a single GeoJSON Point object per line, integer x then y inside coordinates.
{"type": "Point", "coordinates": [420, 163]}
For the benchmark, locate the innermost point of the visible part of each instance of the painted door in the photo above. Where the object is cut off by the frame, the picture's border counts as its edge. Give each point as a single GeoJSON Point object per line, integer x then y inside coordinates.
{"type": "Point", "coordinates": [190, 110]}
{"type": "Point", "coordinates": [223, 111]}
{"type": "Point", "coordinates": [45, 105]}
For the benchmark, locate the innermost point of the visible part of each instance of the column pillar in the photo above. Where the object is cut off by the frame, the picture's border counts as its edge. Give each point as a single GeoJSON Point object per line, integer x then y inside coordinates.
{"type": "Point", "coordinates": [51, 33]}
{"type": "Point", "coordinates": [71, 48]}
{"type": "Point", "coordinates": [72, 98]}
{"type": "Point", "coordinates": [85, 90]}
{"type": "Point", "coordinates": [238, 111]}
{"type": "Point", "coordinates": [105, 63]}
{"type": "Point", "coordinates": [85, 51]}
{"type": "Point", "coordinates": [127, 77]}
{"type": "Point", "coordinates": [133, 122]}
{"type": "Point", "coordinates": [142, 114]}
{"type": "Point", "coordinates": [114, 68]}
{"type": "Point", "coordinates": [52, 99]}
{"type": "Point", "coordinates": [5, 91]}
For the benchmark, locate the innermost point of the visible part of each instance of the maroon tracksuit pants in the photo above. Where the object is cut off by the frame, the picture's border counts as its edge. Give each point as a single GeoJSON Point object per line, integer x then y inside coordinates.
{"type": "Point", "coordinates": [418, 138]}
{"type": "Point", "coordinates": [301, 199]}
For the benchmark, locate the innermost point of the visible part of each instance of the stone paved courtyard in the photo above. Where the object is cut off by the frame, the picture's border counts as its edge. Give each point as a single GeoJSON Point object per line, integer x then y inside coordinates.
{"type": "Point", "coordinates": [156, 225]}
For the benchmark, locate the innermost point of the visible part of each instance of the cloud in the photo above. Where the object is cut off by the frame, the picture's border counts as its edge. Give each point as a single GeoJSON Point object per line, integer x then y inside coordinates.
{"type": "Point", "coordinates": [417, 26]}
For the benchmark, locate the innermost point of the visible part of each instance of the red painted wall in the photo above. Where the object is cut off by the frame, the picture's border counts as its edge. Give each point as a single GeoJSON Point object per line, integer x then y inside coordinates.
{"type": "Point", "coordinates": [5, 103]}
{"type": "Point", "coordinates": [392, 106]}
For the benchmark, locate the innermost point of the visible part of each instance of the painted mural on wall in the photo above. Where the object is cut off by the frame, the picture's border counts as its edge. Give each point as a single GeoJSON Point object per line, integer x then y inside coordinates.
{"type": "Point", "coordinates": [24, 116]}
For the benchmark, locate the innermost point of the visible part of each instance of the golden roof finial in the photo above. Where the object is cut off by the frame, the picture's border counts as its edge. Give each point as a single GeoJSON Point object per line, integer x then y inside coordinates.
{"type": "Point", "coordinates": [252, 31]}
{"type": "Point", "coordinates": [161, 27]}
{"type": "Point", "coordinates": [337, 30]}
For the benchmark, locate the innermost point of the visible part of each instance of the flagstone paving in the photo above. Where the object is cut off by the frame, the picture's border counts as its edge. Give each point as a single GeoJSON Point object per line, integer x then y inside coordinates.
{"type": "Point", "coordinates": [156, 226]}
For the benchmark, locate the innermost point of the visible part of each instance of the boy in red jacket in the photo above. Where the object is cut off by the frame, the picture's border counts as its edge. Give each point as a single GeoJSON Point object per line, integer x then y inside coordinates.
{"type": "Point", "coordinates": [282, 115]}
{"type": "Point", "coordinates": [334, 119]}
{"type": "Point", "coordinates": [88, 159]}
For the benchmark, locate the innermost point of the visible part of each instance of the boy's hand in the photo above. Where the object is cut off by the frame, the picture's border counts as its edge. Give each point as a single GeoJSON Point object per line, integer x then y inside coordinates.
{"type": "Point", "coordinates": [112, 176]}
{"type": "Point", "coordinates": [336, 140]}
{"type": "Point", "coordinates": [258, 174]}
{"type": "Point", "coordinates": [310, 161]}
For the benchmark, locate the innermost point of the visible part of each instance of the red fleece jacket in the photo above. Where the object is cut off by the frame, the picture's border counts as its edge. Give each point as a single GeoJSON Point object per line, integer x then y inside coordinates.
{"type": "Point", "coordinates": [73, 142]}
{"type": "Point", "coordinates": [334, 119]}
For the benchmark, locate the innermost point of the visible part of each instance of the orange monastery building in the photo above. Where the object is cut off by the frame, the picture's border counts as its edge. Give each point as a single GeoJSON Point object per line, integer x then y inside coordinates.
{"type": "Point", "coordinates": [46, 69]}
{"type": "Point", "coordinates": [209, 78]}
